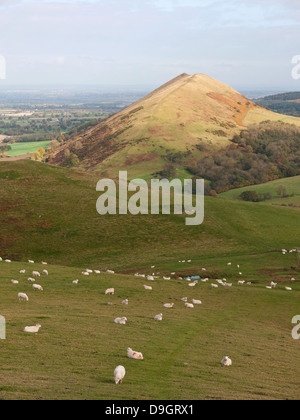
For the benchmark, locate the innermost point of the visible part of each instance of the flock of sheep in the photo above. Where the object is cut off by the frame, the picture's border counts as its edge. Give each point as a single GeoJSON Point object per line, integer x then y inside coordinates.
{"type": "Point", "coordinates": [120, 371]}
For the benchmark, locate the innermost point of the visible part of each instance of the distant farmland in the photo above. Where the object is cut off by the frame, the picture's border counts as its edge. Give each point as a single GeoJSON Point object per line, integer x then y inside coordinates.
{"type": "Point", "coordinates": [18, 149]}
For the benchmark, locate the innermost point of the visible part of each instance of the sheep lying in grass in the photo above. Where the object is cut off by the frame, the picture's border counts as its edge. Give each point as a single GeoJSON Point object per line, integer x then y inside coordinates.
{"type": "Point", "coordinates": [196, 302]}
{"type": "Point", "coordinates": [97, 271]}
{"type": "Point", "coordinates": [189, 305]}
{"type": "Point", "coordinates": [288, 289]}
{"type": "Point", "coordinates": [34, 330]}
{"type": "Point", "coordinates": [31, 262]}
{"type": "Point", "coordinates": [121, 321]}
{"type": "Point", "coordinates": [7, 261]}
{"type": "Point", "coordinates": [226, 361]}
{"type": "Point", "coordinates": [15, 282]}
{"type": "Point", "coordinates": [119, 374]}
{"type": "Point", "coordinates": [147, 287]}
{"type": "Point", "coordinates": [134, 354]}
{"type": "Point", "coordinates": [158, 317]}
{"type": "Point", "coordinates": [23, 296]}
{"type": "Point", "coordinates": [110, 291]}
{"type": "Point", "coordinates": [184, 299]}
{"type": "Point", "coordinates": [37, 287]}
{"type": "Point", "coordinates": [168, 305]}
{"type": "Point", "coordinates": [214, 286]}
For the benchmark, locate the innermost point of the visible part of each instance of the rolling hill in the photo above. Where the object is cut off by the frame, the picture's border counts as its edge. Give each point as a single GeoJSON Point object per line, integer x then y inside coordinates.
{"type": "Point", "coordinates": [185, 119]}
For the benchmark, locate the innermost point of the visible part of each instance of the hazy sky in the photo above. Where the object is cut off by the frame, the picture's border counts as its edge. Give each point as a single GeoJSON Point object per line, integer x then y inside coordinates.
{"type": "Point", "coordinates": [245, 43]}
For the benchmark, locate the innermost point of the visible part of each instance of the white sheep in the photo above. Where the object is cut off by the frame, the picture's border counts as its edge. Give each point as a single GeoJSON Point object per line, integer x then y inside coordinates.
{"type": "Point", "coordinates": [158, 317]}
{"type": "Point", "coordinates": [97, 271]}
{"type": "Point", "coordinates": [110, 272]}
{"type": "Point", "coordinates": [46, 272]}
{"type": "Point", "coordinates": [22, 271]}
{"type": "Point", "coordinates": [75, 281]}
{"type": "Point", "coordinates": [44, 263]}
{"type": "Point", "coordinates": [7, 261]}
{"type": "Point", "coordinates": [273, 284]}
{"type": "Point", "coordinates": [85, 273]}
{"type": "Point", "coordinates": [192, 284]}
{"type": "Point", "coordinates": [226, 361]}
{"type": "Point", "coordinates": [134, 354]}
{"type": "Point", "coordinates": [89, 271]}
{"type": "Point", "coordinates": [168, 305]}
{"type": "Point", "coordinates": [184, 299]}
{"type": "Point", "coordinates": [31, 262]}
{"type": "Point", "coordinates": [241, 282]}
{"type": "Point", "coordinates": [150, 278]}
{"type": "Point", "coordinates": [189, 305]}
{"type": "Point", "coordinates": [214, 286]}
{"type": "Point", "coordinates": [37, 287]}
{"type": "Point", "coordinates": [125, 302]}
{"type": "Point", "coordinates": [119, 374]}
{"type": "Point", "coordinates": [23, 296]}
{"type": "Point", "coordinates": [147, 287]}
{"type": "Point", "coordinates": [34, 330]}
{"type": "Point", "coordinates": [288, 289]}
{"type": "Point", "coordinates": [121, 321]}
{"type": "Point", "coordinates": [1, 259]}
{"type": "Point", "coordinates": [196, 302]}
{"type": "Point", "coordinates": [36, 274]}
{"type": "Point", "coordinates": [31, 279]}
{"type": "Point", "coordinates": [110, 291]}
{"type": "Point", "coordinates": [15, 282]}
{"type": "Point", "coordinates": [167, 278]}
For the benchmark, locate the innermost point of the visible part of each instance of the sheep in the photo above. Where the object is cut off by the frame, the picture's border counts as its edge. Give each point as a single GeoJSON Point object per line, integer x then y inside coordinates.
{"type": "Point", "coordinates": [97, 271]}
{"type": "Point", "coordinates": [147, 287]}
{"type": "Point", "coordinates": [196, 302]}
{"type": "Point", "coordinates": [121, 321]}
{"type": "Point", "coordinates": [249, 283]}
{"type": "Point", "coordinates": [168, 305]}
{"type": "Point", "coordinates": [273, 284]}
{"type": "Point", "coordinates": [31, 279]}
{"type": "Point", "coordinates": [36, 274]}
{"type": "Point", "coordinates": [44, 263]}
{"type": "Point", "coordinates": [119, 374]}
{"type": "Point", "coordinates": [1, 259]}
{"type": "Point", "coordinates": [75, 281]}
{"type": "Point", "coordinates": [125, 302]}
{"type": "Point", "coordinates": [189, 305]}
{"type": "Point", "coordinates": [46, 272]}
{"type": "Point", "coordinates": [85, 274]}
{"type": "Point", "coordinates": [269, 287]}
{"type": "Point", "coordinates": [89, 271]}
{"type": "Point", "coordinates": [228, 284]}
{"type": "Point", "coordinates": [229, 264]}
{"type": "Point", "coordinates": [134, 354]}
{"type": "Point", "coordinates": [150, 278]}
{"type": "Point", "coordinates": [7, 261]}
{"type": "Point", "coordinates": [240, 273]}
{"type": "Point", "coordinates": [33, 330]}
{"type": "Point", "coordinates": [110, 291]}
{"type": "Point", "coordinates": [37, 287]}
{"type": "Point", "coordinates": [15, 282]}
{"type": "Point", "coordinates": [192, 284]}
{"type": "Point", "coordinates": [22, 271]}
{"type": "Point", "coordinates": [205, 280]}
{"type": "Point", "coordinates": [226, 361]}
{"type": "Point", "coordinates": [288, 289]}
{"type": "Point", "coordinates": [184, 299]}
{"type": "Point", "coordinates": [158, 317]}
{"type": "Point", "coordinates": [31, 262]}
{"type": "Point", "coordinates": [110, 272]}
{"type": "Point", "coordinates": [23, 296]}
{"type": "Point", "coordinates": [167, 278]}
{"type": "Point", "coordinates": [241, 282]}
{"type": "Point", "coordinates": [214, 286]}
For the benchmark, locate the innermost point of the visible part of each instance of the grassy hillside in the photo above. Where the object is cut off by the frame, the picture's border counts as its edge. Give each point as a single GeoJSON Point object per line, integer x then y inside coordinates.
{"type": "Point", "coordinates": [292, 186]}
{"type": "Point", "coordinates": [75, 353]}
{"type": "Point", "coordinates": [191, 115]}
{"type": "Point", "coordinates": [50, 213]}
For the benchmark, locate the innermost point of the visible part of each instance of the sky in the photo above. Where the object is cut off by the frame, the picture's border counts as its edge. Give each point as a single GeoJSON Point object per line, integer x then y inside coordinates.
{"type": "Point", "coordinates": [248, 44]}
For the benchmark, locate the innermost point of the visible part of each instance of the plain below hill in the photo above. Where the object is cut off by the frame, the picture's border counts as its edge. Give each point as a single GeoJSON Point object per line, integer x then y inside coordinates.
{"type": "Point", "coordinates": [184, 120]}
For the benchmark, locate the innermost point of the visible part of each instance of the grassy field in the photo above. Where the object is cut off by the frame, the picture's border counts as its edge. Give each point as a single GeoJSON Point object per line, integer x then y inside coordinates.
{"type": "Point", "coordinates": [19, 149]}
{"type": "Point", "coordinates": [292, 186]}
{"type": "Point", "coordinates": [75, 353]}
{"type": "Point", "coordinates": [49, 214]}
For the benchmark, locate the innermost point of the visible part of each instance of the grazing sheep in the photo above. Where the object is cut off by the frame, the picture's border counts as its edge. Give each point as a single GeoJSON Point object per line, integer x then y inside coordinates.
{"type": "Point", "coordinates": [97, 271]}
{"type": "Point", "coordinates": [205, 280]}
{"type": "Point", "coordinates": [226, 361]}
{"type": "Point", "coordinates": [241, 282]}
{"type": "Point", "coordinates": [31, 279]}
{"type": "Point", "coordinates": [31, 262]}
{"type": "Point", "coordinates": [214, 286]}
{"type": "Point", "coordinates": [134, 354]}
{"type": "Point", "coordinates": [189, 305]}
{"type": "Point", "coordinates": [34, 330]}
{"type": "Point", "coordinates": [192, 284]}
{"type": "Point", "coordinates": [110, 291]}
{"type": "Point", "coordinates": [168, 305]}
{"type": "Point", "coordinates": [7, 261]}
{"type": "Point", "coordinates": [36, 274]}
{"type": "Point", "coordinates": [23, 296]}
{"type": "Point", "coordinates": [15, 282]}
{"type": "Point", "coordinates": [75, 281]}
{"type": "Point", "coordinates": [46, 272]}
{"type": "Point", "coordinates": [147, 287]}
{"type": "Point", "coordinates": [122, 320]}
{"type": "Point", "coordinates": [158, 317]}
{"type": "Point", "coordinates": [288, 289]}
{"type": "Point", "coordinates": [150, 278]}
{"type": "Point", "coordinates": [196, 302]}
{"type": "Point", "coordinates": [89, 271]}
{"type": "Point", "coordinates": [125, 302]}
{"type": "Point", "coordinates": [167, 278]}
{"type": "Point", "coordinates": [22, 271]}
{"type": "Point", "coordinates": [37, 287]}
{"type": "Point", "coordinates": [184, 299]}
{"type": "Point", "coordinates": [119, 374]}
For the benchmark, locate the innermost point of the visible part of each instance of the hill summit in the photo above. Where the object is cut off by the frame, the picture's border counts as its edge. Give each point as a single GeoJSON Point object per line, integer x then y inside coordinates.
{"type": "Point", "coordinates": [186, 119]}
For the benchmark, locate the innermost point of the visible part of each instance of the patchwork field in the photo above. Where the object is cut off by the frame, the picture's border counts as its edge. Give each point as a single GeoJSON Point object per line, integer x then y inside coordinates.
{"type": "Point", "coordinates": [19, 149]}
{"type": "Point", "coordinates": [74, 354]}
